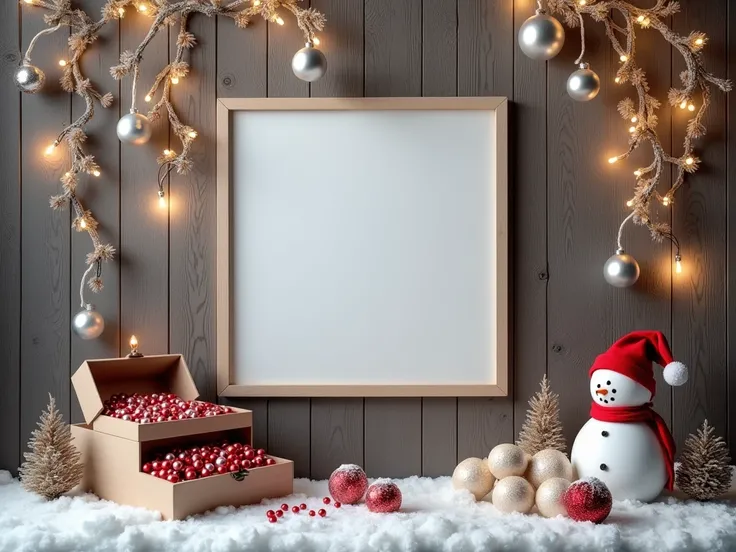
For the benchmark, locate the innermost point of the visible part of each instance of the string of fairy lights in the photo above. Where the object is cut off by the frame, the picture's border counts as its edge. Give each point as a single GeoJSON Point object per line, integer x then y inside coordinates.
{"type": "Point", "coordinates": [134, 128]}
{"type": "Point", "coordinates": [542, 37]}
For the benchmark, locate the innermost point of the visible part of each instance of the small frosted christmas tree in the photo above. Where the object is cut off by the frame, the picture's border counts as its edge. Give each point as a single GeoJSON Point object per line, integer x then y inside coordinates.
{"type": "Point", "coordinates": [542, 428]}
{"type": "Point", "coordinates": [705, 467]}
{"type": "Point", "coordinates": [53, 466]}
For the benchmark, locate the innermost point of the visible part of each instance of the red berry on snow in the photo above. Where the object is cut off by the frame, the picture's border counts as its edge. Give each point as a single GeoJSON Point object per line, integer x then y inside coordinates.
{"type": "Point", "coordinates": [284, 507]}
{"type": "Point", "coordinates": [337, 504]}
{"type": "Point", "coordinates": [279, 513]}
{"type": "Point", "coordinates": [326, 500]}
{"type": "Point", "coordinates": [322, 512]}
{"type": "Point", "coordinates": [295, 509]}
{"type": "Point", "coordinates": [311, 513]}
{"type": "Point", "coordinates": [303, 506]}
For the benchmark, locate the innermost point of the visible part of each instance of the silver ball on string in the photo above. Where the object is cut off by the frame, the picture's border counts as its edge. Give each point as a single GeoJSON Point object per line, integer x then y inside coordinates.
{"type": "Point", "coordinates": [88, 323]}
{"type": "Point", "coordinates": [621, 270]}
{"type": "Point", "coordinates": [309, 64]}
{"type": "Point", "coordinates": [134, 128]}
{"type": "Point", "coordinates": [583, 85]}
{"type": "Point", "coordinates": [541, 36]}
{"type": "Point", "coordinates": [29, 78]}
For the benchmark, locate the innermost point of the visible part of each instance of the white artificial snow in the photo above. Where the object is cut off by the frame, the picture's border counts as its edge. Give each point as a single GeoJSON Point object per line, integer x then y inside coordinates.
{"type": "Point", "coordinates": [433, 517]}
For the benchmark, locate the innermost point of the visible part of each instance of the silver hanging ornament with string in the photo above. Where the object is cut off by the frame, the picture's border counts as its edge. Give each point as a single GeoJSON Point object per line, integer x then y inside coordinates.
{"type": "Point", "coordinates": [134, 128]}
{"type": "Point", "coordinates": [583, 85]}
{"type": "Point", "coordinates": [309, 64]}
{"type": "Point", "coordinates": [88, 323]}
{"type": "Point", "coordinates": [621, 270]}
{"type": "Point", "coordinates": [29, 78]}
{"type": "Point", "coordinates": [541, 36]}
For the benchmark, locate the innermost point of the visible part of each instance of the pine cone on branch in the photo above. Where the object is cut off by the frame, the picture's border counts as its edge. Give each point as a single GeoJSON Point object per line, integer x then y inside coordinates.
{"type": "Point", "coordinates": [542, 428]}
{"type": "Point", "coordinates": [704, 472]}
{"type": "Point", "coordinates": [53, 466]}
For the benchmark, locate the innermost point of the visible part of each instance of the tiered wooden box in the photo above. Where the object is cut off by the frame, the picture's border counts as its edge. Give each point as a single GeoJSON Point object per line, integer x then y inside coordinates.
{"type": "Point", "coordinates": [114, 450]}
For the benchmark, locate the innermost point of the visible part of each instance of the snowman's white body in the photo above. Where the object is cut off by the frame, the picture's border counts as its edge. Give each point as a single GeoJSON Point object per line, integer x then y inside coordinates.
{"type": "Point", "coordinates": [626, 456]}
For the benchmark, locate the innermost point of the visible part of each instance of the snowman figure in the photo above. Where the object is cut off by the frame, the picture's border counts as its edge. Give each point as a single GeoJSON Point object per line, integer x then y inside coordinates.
{"type": "Point", "coordinates": [625, 443]}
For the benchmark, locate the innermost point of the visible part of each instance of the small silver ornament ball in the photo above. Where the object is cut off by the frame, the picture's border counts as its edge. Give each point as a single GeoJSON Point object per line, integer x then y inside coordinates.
{"type": "Point", "coordinates": [29, 78]}
{"type": "Point", "coordinates": [309, 64]}
{"type": "Point", "coordinates": [621, 270]}
{"type": "Point", "coordinates": [88, 323]}
{"type": "Point", "coordinates": [541, 36]}
{"type": "Point", "coordinates": [583, 85]}
{"type": "Point", "coordinates": [134, 128]}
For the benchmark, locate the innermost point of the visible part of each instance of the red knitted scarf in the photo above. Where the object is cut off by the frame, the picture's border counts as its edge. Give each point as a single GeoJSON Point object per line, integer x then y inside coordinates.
{"type": "Point", "coordinates": [643, 413]}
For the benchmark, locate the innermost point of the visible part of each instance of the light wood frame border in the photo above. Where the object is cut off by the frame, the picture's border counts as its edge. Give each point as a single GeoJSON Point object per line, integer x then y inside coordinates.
{"type": "Point", "coordinates": [225, 107]}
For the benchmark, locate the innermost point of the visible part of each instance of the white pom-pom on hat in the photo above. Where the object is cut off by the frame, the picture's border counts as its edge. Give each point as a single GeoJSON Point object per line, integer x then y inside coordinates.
{"type": "Point", "coordinates": [675, 373]}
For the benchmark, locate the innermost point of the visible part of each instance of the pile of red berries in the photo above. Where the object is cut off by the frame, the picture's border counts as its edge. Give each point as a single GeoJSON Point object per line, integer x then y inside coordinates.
{"type": "Point", "coordinates": [274, 515]}
{"type": "Point", "coordinates": [197, 462]}
{"type": "Point", "coordinates": [158, 407]}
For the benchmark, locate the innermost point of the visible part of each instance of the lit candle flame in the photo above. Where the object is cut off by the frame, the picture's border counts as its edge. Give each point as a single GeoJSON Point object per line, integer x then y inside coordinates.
{"type": "Point", "coordinates": [133, 342]}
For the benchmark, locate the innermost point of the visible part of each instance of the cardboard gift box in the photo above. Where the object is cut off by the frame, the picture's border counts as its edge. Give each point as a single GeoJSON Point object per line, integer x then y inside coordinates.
{"type": "Point", "coordinates": [113, 450]}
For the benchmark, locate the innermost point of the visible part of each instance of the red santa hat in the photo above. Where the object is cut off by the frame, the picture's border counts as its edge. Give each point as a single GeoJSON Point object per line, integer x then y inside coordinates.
{"type": "Point", "coordinates": [633, 354]}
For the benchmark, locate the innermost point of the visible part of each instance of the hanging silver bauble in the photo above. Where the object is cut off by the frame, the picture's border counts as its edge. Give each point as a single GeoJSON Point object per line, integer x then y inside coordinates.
{"type": "Point", "coordinates": [29, 78]}
{"type": "Point", "coordinates": [134, 128]}
{"type": "Point", "coordinates": [583, 85]}
{"type": "Point", "coordinates": [88, 323]}
{"type": "Point", "coordinates": [309, 64]}
{"type": "Point", "coordinates": [541, 36]}
{"type": "Point", "coordinates": [621, 270]}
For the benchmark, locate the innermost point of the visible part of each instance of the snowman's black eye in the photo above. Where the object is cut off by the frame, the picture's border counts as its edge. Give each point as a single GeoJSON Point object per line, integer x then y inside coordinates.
{"type": "Point", "coordinates": [598, 386]}
{"type": "Point", "coordinates": [613, 390]}
{"type": "Point", "coordinates": [608, 383]}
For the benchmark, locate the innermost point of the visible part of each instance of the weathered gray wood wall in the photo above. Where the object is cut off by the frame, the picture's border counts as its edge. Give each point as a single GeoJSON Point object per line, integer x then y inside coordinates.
{"type": "Point", "coordinates": [566, 201]}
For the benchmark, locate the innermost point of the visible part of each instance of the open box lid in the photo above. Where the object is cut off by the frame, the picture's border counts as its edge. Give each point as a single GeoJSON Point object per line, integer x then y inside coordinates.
{"type": "Point", "coordinates": [95, 381]}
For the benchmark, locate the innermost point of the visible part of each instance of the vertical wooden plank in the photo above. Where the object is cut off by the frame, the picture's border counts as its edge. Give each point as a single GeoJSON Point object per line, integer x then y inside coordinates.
{"type": "Point", "coordinates": [529, 239]}
{"type": "Point", "coordinates": [393, 49]}
{"type": "Point", "coordinates": [336, 435]}
{"type": "Point", "coordinates": [45, 293]}
{"type": "Point", "coordinates": [101, 195]}
{"type": "Point", "coordinates": [192, 212]}
{"type": "Point", "coordinates": [586, 202]}
{"type": "Point", "coordinates": [700, 218]}
{"type": "Point", "coordinates": [393, 437]}
{"type": "Point", "coordinates": [337, 424]}
{"type": "Point", "coordinates": [439, 78]}
{"type": "Point", "coordinates": [283, 42]}
{"type": "Point", "coordinates": [485, 47]}
{"type": "Point", "coordinates": [342, 43]}
{"type": "Point", "coordinates": [10, 240]}
{"type": "Point", "coordinates": [144, 226]}
{"type": "Point", "coordinates": [731, 236]}
{"type": "Point", "coordinates": [289, 430]}
{"type": "Point", "coordinates": [259, 407]}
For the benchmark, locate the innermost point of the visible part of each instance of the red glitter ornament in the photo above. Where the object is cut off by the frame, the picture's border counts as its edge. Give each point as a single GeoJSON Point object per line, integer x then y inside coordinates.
{"type": "Point", "coordinates": [383, 496]}
{"type": "Point", "coordinates": [348, 483]}
{"type": "Point", "coordinates": [588, 500]}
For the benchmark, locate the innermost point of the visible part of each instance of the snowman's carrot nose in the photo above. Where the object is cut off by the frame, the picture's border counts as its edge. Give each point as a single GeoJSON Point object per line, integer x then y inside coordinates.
{"type": "Point", "coordinates": [602, 391]}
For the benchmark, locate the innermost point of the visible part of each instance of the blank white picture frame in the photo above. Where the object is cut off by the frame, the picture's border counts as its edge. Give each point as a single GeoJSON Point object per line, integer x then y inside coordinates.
{"type": "Point", "coordinates": [362, 247]}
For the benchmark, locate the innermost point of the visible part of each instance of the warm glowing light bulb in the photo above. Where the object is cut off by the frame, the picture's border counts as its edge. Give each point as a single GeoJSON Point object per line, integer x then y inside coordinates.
{"type": "Point", "coordinates": [121, 12]}
{"type": "Point", "coordinates": [582, 2]}
{"type": "Point", "coordinates": [689, 161]}
{"type": "Point", "coordinates": [632, 129]}
{"type": "Point", "coordinates": [623, 58]}
{"type": "Point", "coordinates": [143, 8]}
{"type": "Point", "coordinates": [167, 152]}
{"type": "Point", "coordinates": [699, 41]}
{"type": "Point", "coordinates": [640, 19]}
{"type": "Point", "coordinates": [162, 202]}
{"type": "Point", "coordinates": [96, 172]}
{"type": "Point", "coordinates": [637, 173]}
{"type": "Point", "coordinates": [612, 160]}
{"type": "Point", "coordinates": [315, 41]}
{"type": "Point", "coordinates": [147, 98]}
{"type": "Point", "coordinates": [50, 149]}
{"type": "Point", "coordinates": [617, 80]}
{"type": "Point", "coordinates": [192, 133]}
{"type": "Point", "coordinates": [29, 1]}
{"type": "Point", "coordinates": [634, 119]}
{"type": "Point", "coordinates": [630, 203]}
{"type": "Point", "coordinates": [62, 62]}
{"type": "Point", "coordinates": [67, 174]}
{"type": "Point", "coordinates": [133, 342]}
{"type": "Point", "coordinates": [279, 21]}
{"type": "Point", "coordinates": [683, 105]}
{"type": "Point", "coordinates": [665, 201]}
{"type": "Point", "coordinates": [678, 264]}
{"type": "Point", "coordinates": [691, 107]}
{"type": "Point", "coordinates": [256, 2]}
{"type": "Point", "coordinates": [174, 80]}
{"type": "Point", "coordinates": [82, 224]}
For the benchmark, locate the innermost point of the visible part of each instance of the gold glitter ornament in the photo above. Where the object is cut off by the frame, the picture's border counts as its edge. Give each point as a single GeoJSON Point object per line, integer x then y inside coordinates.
{"type": "Point", "coordinates": [547, 464]}
{"type": "Point", "coordinates": [472, 474]}
{"type": "Point", "coordinates": [549, 497]}
{"type": "Point", "coordinates": [507, 459]}
{"type": "Point", "coordinates": [513, 494]}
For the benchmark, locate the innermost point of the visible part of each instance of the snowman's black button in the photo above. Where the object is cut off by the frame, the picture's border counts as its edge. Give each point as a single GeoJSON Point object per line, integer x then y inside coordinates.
{"type": "Point", "coordinates": [604, 467]}
{"type": "Point", "coordinates": [604, 433]}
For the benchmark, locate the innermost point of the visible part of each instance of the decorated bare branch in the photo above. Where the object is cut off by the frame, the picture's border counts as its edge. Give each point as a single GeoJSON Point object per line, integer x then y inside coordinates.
{"type": "Point", "coordinates": [642, 114]}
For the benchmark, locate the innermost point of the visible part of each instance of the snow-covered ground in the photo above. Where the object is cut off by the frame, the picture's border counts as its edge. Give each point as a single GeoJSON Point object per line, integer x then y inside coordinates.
{"type": "Point", "coordinates": [433, 517]}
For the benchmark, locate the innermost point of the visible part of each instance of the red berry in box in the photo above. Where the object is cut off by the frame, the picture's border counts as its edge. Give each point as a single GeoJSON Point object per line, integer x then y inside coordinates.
{"type": "Point", "coordinates": [177, 465]}
{"type": "Point", "coordinates": [295, 509]}
{"type": "Point", "coordinates": [270, 461]}
{"type": "Point", "coordinates": [348, 483]}
{"type": "Point", "coordinates": [233, 468]}
{"type": "Point", "coordinates": [259, 461]}
{"type": "Point", "coordinates": [190, 475]}
{"type": "Point", "coordinates": [322, 512]}
{"type": "Point", "coordinates": [250, 454]}
{"type": "Point", "coordinates": [173, 478]}
{"type": "Point", "coordinates": [147, 468]}
{"type": "Point", "coordinates": [261, 452]}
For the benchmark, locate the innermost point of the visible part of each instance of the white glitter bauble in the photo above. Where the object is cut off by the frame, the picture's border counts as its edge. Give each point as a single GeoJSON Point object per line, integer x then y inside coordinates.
{"type": "Point", "coordinates": [513, 494]}
{"type": "Point", "coordinates": [546, 464]}
{"type": "Point", "coordinates": [472, 474]}
{"type": "Point", "coordinates": [507, 459]}
{"type": "Point", "coordinates": [549, 497]}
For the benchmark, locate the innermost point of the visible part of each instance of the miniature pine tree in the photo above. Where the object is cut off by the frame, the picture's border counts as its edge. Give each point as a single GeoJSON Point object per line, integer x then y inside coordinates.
{"type": "Point", "coordinates": [542, 428]}
{"type": "Point", "coordinates": [53, 466]}
{"type": "Point", "coordinates": [705, 467]}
